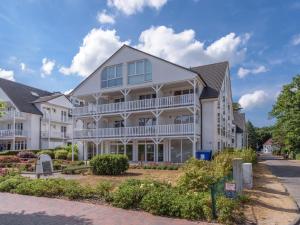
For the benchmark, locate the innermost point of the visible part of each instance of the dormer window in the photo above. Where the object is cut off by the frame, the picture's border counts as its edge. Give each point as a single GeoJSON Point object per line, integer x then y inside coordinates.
{"type": "Point", "coordinates": [112, 76]}
{"type": "Point", "coordinates": [139, 72]}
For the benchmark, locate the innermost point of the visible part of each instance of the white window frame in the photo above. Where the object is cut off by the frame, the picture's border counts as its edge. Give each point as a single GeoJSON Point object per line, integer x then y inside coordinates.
{"type": "Point", "coordinates": [110, 79]}
{"type": "Point", "coordinates": [144, 73]}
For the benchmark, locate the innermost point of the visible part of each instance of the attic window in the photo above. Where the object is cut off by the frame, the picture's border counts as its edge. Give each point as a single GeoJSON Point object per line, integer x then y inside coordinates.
{"type": "Point", "coordinates": [35, 94]}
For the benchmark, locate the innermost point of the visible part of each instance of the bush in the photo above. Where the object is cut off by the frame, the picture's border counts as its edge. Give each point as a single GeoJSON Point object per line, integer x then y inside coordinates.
{"type": "Point", "coordinates": [69, 148]}
{"type": "Point", "coordinates": [298, 156]}
{"type": "Point", "coordinates": [130, 193]}
{"type": "Point", "coordinates": [75, 169]}
{"type": "Point", "coordinates": [227, 210]}
{"type": "Point", "coordinates": [61, 154]}
{"type": "Point", "coordinates": [109, 164]}
{"type": "Point", "coordinates": [9, 159]}
{"type": "Point", "coordinates": [48, 152]}
{"type": "Point", "coordinates": [103, 190]}
{"type": "Point", "coordinates": [198, 175]}
{"type": "Point", "coordinates": [69, 156]}
{"type": "Point", "coordinates": [10, 182]}
{"type": "Point", "coordinates": [26, 155]}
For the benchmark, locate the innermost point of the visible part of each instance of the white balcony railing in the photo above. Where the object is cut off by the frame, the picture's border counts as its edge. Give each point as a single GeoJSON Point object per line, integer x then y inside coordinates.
{"type": "Point", "coordinates": [55, 134]}
{"type": "Point", "coordinates": [9, 115]}
{"type": "Point", "coordinates": [145, 104]}
{"type": "Point", "coordinates": [10, 133]}
{"type": "Point", "coordinates": [54, 118]}
{"type": "Point", "coordinates": [139, 131]}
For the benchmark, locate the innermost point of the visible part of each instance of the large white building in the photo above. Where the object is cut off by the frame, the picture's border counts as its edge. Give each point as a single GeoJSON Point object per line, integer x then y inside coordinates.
{"type": "Point", "coordinates": [151, 109]}
{"type": "Point", "coordinates": [33, 118]}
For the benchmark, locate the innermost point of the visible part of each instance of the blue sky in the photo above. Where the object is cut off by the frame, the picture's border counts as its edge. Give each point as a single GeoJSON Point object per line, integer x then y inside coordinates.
{"type": "Point", "coordinates": [54, 44]}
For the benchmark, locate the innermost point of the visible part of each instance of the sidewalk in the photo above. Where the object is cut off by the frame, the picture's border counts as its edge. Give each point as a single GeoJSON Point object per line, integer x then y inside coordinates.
{"type": "Point", "coordinates": [28, 210]}
{"type": "Point", "coordinates": [270, 203]}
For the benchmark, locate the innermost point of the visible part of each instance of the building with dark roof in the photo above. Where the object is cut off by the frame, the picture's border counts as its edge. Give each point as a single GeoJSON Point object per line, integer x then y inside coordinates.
{"type": "Point", "coordinates": [32, 118]}
{"type": "Point", "coordinates": [151, 109]}
{"type": "Point", "coordinates": [241, 136]}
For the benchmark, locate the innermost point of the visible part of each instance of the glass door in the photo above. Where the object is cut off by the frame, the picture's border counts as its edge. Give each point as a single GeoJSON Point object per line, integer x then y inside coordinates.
{"type": "Point", "coordinates": [150, 152]}
{"type": "Point", "coordinates": [160, 153]}
{"type": "Point", "coordinates": [141, 152]}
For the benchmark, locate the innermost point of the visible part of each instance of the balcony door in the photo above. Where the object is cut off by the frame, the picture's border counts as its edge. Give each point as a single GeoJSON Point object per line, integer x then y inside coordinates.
{"type": "Point", "coordinates": [146, 152]}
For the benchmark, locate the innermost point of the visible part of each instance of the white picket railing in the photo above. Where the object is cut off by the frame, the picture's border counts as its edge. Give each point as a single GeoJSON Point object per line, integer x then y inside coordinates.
{"type": "Point", "coordinates": [139, 131]}
{"type": "Point", "coordinates": [55, 134]}
{"type": "Point", "coordinates": [59, 119]}
{"type": "Point", "coordinates": [136, 105]}
{"type": "Point", "coordinates": [4, 115]}
{"type": "Point", "coordinates": [10, 133]}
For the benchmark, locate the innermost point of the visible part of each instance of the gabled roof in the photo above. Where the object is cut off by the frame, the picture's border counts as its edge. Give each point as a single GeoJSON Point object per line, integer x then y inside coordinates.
{"type": "Point", "coordinates": [48, 97]}
{"type": "Point", "coordinates": [213, 75]}
{"type": "Point", "coordinates": [22, 95]}
{"type": "Point", "coordinates": [268, 142]}
{"type": "Point", "coordinates": [239, 120]}
{"type": "Point", "coordinates": [127, 46]}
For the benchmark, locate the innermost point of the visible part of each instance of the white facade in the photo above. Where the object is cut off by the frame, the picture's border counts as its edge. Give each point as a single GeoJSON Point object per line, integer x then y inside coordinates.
{"type": "Point", "coordinates": [147, 108]}
{"type": "Point", "coordinates": [22, 130]}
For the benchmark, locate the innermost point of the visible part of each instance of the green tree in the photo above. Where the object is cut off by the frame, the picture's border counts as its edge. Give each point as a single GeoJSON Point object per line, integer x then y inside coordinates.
{"type": "Point", "coordinates": [252, 135]}
{"type": "Point", "coordinates": [263, 134]}
{"type": "Point", "coordinates": [286, 110]}
{"type": "Point", "coordinates": [236, 106]}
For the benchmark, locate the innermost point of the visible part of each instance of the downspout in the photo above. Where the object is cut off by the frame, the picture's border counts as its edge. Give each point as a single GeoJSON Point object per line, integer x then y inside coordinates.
{"type": "Point", "coordinates": [201, 126]}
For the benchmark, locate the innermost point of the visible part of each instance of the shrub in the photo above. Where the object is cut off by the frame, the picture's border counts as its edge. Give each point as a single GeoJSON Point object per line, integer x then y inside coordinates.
{"type": "Point", "coordinates": [61, 154]}
{"type": "Point", "coordinates": [103, 190]}
{"type": "Point", "coordinates": [227, 210]}
{"type": "Point", "coordinates": [9, 159]}
{"type": "Point", "coordinates": [69, 148]}
{"type": "Point", "coordinates": [69, 156]}
{"type": "Point", "coordinates": [109, 164]}
{"type": "Point", "coordinates": [298, 156]}
{"type": "Point", "coordinates": [198, 175]}
{"type": "Point", "coordinates": [48, 152]}
{"type": "Point", "coordinates": [130, 193]}
{"type": "Point", "coordinates": [10, 183]}
{"type": "Point", "coordinates": [26, 155]}
{"type": "Point", "coordinates": [75, 169]}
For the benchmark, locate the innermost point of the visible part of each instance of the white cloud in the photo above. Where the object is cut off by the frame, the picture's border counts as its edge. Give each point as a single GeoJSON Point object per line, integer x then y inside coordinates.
{"type": "Point", "coordinates": [253, 99]}
{"type": "Point", "coordinates": [68, 91]}
{"type": "Point", "coordinates": [184, 49]}
{"type": "Point", "coordinates": [103, 18]}
{"type": "Point", "coordinates": [23, 66]}
{"type": "Point", "coordinates": [96, 47]}
{"type": "Point", "coordinates": [243, 72]}
{"type": "Point", "coordinates": [47, 66]}
{"type": "Point", "coordinates": [7, 74]}
{"type": "Point", "coordinates": [134, 6]}
{"type": "Point", "coordinates": [296, 40]}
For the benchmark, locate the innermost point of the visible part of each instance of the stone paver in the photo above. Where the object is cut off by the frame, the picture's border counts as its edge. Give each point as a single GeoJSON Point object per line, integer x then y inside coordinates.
{"type": "Point", "coordinates": [29, 210]}
{"type": "Point", "coordinates": [288, 172]}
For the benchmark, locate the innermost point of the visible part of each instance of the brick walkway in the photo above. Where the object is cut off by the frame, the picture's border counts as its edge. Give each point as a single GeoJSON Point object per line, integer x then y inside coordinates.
{"type": "Point", "coordinates": [28, 210]}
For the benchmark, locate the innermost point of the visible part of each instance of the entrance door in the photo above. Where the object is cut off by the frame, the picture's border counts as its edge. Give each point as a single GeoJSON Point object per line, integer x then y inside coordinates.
{"type": "Point", "coordinates": [141, 153]}
{"type": "Point", "coordinates": [150, 152]}
{"type": "Point", "coordinates": [160, 153]}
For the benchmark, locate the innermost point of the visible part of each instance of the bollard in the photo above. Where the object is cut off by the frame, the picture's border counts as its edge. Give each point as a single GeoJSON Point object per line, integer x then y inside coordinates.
{"type": "Point", "coordinates": [238, 174]}
{"type": "Point", "coordinates": [247, 175]}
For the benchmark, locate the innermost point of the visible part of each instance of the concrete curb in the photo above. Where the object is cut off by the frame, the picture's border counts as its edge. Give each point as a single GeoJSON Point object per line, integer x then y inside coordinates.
{"type": "Point", "coordinates": [296, 221]}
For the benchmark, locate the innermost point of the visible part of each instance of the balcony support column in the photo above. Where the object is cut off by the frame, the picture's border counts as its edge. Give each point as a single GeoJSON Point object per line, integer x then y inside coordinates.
{"type": "Point", "coordinates": [14, 132]}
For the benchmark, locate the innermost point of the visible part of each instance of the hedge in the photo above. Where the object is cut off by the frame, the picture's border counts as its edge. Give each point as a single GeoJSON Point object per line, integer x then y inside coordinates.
{"type": "Point", "coordinates": [109, 164]}
{"type": "Point", "coordinates": [51, 153]}
{"type": "Point", "coordinates": [61, 154]}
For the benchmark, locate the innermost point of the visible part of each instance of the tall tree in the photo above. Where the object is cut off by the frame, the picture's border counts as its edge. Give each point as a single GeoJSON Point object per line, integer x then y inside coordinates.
{"type": "Point", "coordinates": [252, 135]}
{"type": "Point", "coordinates": [236, 106]}
{"type": "Point", "coordinates": [287, 112]}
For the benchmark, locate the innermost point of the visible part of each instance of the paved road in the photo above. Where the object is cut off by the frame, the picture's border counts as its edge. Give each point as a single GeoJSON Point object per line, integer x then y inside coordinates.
{"type": "Point", "coordinates": [28, 210]}
{"type": "Point", "coordinates": [288, 172]}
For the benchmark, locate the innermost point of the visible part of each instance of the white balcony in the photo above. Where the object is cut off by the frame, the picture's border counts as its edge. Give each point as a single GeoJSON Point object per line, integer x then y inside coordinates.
{"type": "Point", "coordinates": [12, 133]}
{"type": "Point", "coordinates": [137, 105]}
{"type": "Point", "coordinates": [10, 115]}
{"type": "Point", "coordinates": [55, 135]}
{"type": "Point", "coordinates": [57, 119]}
{"type": "Point", "coordinates": [139, 131]}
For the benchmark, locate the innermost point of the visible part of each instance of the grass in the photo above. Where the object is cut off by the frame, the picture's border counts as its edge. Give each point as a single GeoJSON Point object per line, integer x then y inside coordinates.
{"type": "Point", "coordinates": [170, 176]}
